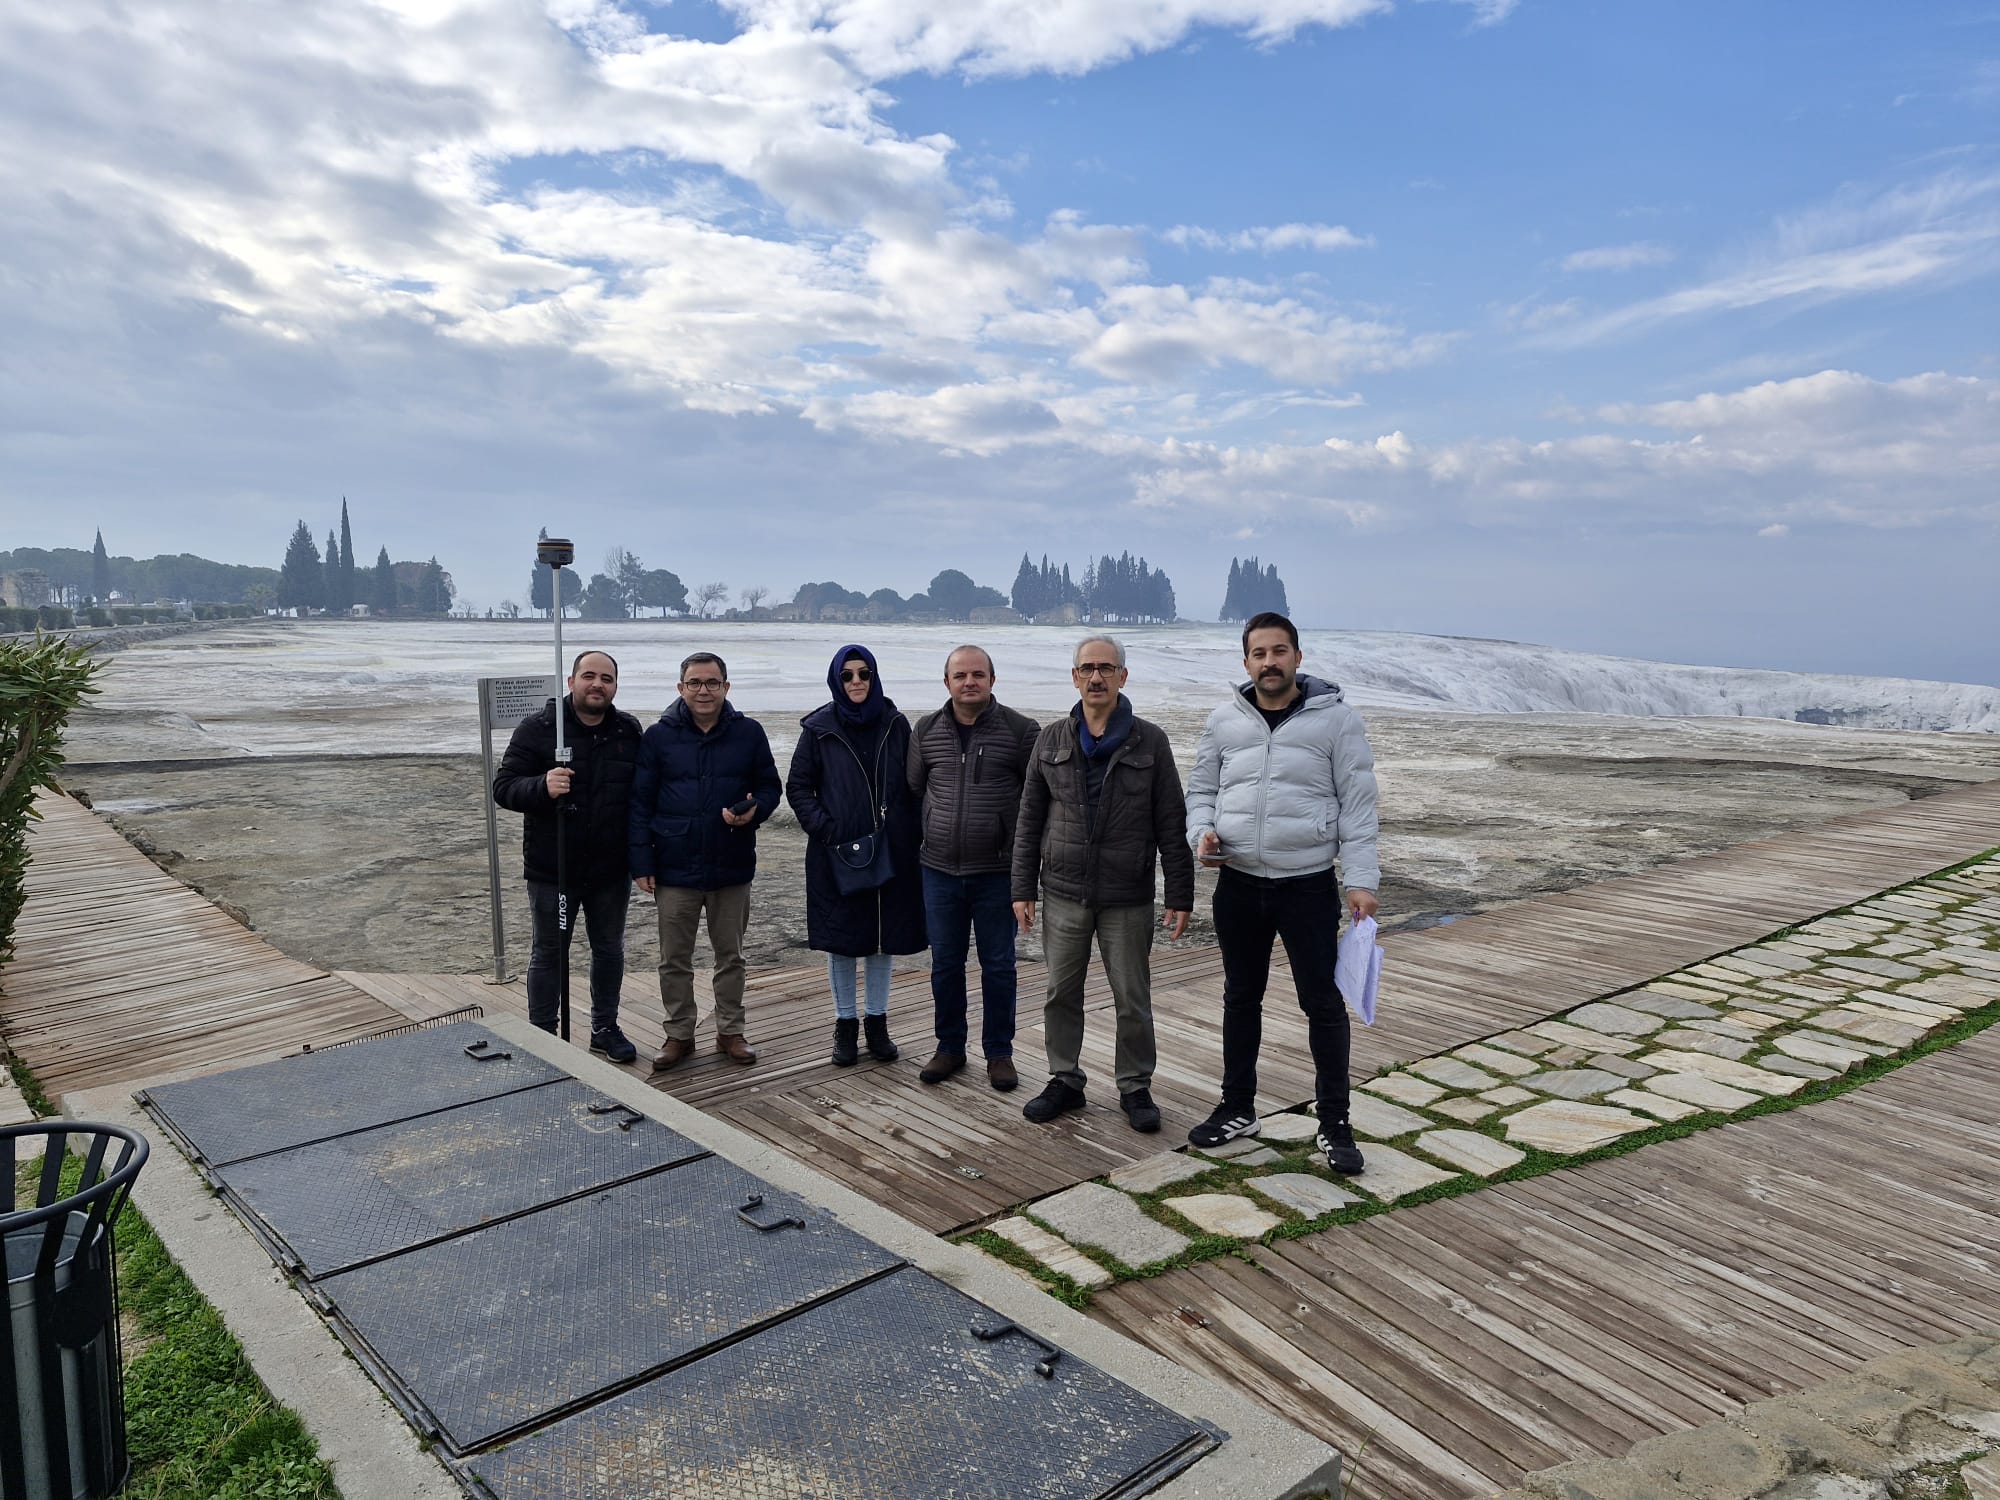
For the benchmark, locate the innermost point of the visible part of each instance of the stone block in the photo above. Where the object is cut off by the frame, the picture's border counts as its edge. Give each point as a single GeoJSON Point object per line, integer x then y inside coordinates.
{"type": "Point", "coordinates": [1617, 1020]}
{"type": "Point", "coordinates": [1493, 1060]}
{"type": "Point", "coordinates": [1567, 1127]}
{"type": "Point", "coordinates": [1673, 1002]}
{"type": "Point", "coordinates": [1307, 1194]}
{"type": "Point", "coordinates": [1390, 1174]}
{"type": "Point", "coordinates": [1564, 1035]}
{"type": "Point", "coordinates": [1104, 1218]}
{"type": "Point", "coordinates": [1574, 1083]}
{"type": "Point", "coordinates": [1982, 1479]}
{"type": "Point", "coordinates": [1806, 1049]}
{"type": "Point", "coordinates": [1845, 1043]}
{"type": "Point", "coordinates": [1156, 1172]}
{"type": "Point", "coordinates": [1705, 1041]}
{"type": "Point", "coordinates": [1224, 1213]}
{"type": "Point", "coordinates": [1521, 1042]}
{"type": "Point", "coordinates": [1895, 1035]}
{"type": "Point", "coordinates": [1452, 1073]}
{"type": "Point", "coordinates": [1624, 1067]}
{"type": "Point", "coordinates": [1508, 1097]}
{"type": "Point", "coordinates": [1242, 1146]}
{"type": "Point", "coordinates": [1658, 1105]}
{"type": "Point", "coordinates": [1469, 1110]}
{"type": "Point", "coordinates": [1737, 1075]}
{"type": "Point", "coordinates": [1469, 1150]}
{"type": "Point", "coordinates": [1404, 1089]}
{"type": "Point", "coordinates": [1380, 1120]}
{"type": "Point", "coordinates": [1052, 1252]}
{"type": "Point", "coordinates": [1288, 1128]}
{"type": "Point", "coordinates": [1693, 1088]}
{"type": "Point", "coordinates": [1779, 1063]}
{"type": "Point", "coordinates": [1750, 1020]}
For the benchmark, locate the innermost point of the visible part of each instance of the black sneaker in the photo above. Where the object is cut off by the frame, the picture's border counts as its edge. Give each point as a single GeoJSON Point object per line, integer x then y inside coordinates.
{"type": "Point", "coordinates": [614, 1044]}
{"type": "Point", "coordinates": [1336, 1144]}
{"type": "Point", "coordinates": [1141, 1110]}
{"type": "Point", "coordinates": [1227, 1123]}
{"type": "Point", "coordinates": [1052, 1101]}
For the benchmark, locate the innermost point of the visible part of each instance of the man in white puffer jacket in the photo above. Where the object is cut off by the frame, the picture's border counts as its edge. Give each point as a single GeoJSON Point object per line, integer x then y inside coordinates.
{"type": "Point", "coordinates": [1283, 787]}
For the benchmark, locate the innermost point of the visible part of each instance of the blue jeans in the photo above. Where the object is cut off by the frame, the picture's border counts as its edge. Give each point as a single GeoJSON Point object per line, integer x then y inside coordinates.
{"type": "Point", "coordinates": [957, 907]}
{"type": "Point", "coordinates": [601, 913]}
{"type": "Point", "coordinates": [840, 974]}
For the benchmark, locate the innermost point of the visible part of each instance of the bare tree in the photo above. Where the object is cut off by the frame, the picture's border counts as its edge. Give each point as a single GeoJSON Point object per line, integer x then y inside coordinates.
{"type": "Point", "coordinates": [754, 596]}
{"type": "Point", "coordinates": [709, 594]}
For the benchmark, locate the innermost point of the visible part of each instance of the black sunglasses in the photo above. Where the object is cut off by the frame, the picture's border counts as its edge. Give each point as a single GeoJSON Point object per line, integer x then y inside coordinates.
{"type": "Point", "coordinates": [857, 674]}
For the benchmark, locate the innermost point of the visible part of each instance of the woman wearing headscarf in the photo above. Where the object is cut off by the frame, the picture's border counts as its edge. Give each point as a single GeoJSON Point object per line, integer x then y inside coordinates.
{"type": "Point", "coordinates": [864, 886]}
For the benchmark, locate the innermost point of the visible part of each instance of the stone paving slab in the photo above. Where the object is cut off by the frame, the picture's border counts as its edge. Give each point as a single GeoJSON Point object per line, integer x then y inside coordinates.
{"type": "Point", "coordinates": [1493, 1060]}
{"type": "Point", "coordinates": [1704, 1041]}
{"type": "Point", "coordinates": [1618, 1020]}
{"type": "Point", "coordinates": [1725, 1070]}
{"type": "Point", "coordinates": [1469, 1110]}
{"type": "Point", "coordinates": [1224, 1213]}
{"type": "Point", "coordinates": [1452, 1073]}
{"type": "Point", "coordinates": [1055, 1253]}
{"type": "Point", "coordinates": [1578, 1036]}
{"type": "Point", "coordinates": [1243, 1145]}
{"type": "Point", "coordinates": [1091, 1214]}
{"type": "Point", "coordinates": [1699, 1089]}
{"type": "Point", "coordinates": [1567, 1127]}
{"type": "Point", "coordinates": [1574, 1083]}
{"type": "Point", "coordinates": [1156, 1172]}
{"type": "Point", "coordinates": [1309, 1195]}
{"type": "Point", "coordinates": [1381, 1121]}
{"type": "Point", "coordinates": [1405, 1089]}
{"type": "Point", "coordinates": [1390, 1174]}
{"type": "Point", "coordinates": [1290, 1127]}
{"type": "Point", "coordinates": [1676, 1002]}
{"type": "Point", "coordinates": [1824, 1053]}
{"type": "Point", "coordinates": [1812, 1072]}
{"type": "Point", "coordinates": [1470, 1151]}
{"type": "Point", "coordinates": [1658, 1105]}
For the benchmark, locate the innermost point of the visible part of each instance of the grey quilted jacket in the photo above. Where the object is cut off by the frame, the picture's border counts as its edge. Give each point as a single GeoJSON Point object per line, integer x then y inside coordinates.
{"type": "Point", "coordinates": [1140, 819]}
{"type": "Point", "coordinates": [1287, 801]}
{"type": "Point", "coordinates": [970, 797]}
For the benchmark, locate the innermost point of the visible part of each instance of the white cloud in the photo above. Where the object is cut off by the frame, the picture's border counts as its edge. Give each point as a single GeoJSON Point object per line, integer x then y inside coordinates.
{"type": "Point", "coordinates": [1269, 239]}
{"type": "Point", "coordinates": [1775, 531]}
{"type": "Point", "coordinates": [1856, 245]}
{"type": "Point", "coordinates": [1630, 257]}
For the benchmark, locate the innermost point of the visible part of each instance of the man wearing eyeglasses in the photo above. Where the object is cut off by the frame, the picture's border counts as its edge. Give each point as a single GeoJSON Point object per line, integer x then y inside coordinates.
{"type": "Point", "coordinates": [1101, 807]}
{"type": "Point", "coordinates": [705, 780]}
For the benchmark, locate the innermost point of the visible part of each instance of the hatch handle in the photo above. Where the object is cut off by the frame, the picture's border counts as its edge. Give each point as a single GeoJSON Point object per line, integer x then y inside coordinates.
{"type": "Point", "coordinates": [1044, 1367]}
{"type": "Point", "coordinates": [478, 1053]}
{"type": "Point", "coordinates": [756, 1200]}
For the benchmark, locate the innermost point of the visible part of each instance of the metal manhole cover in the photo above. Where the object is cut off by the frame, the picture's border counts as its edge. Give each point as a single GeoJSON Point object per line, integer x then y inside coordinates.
{"type": "Point", "coordinates": [335, 1204]}
{"type": "Point", "coordinates": [506, 1326]}
{"type": "Point", "coordinates": [881, 1394]}
{"type": "Point", "coordinates": [275, 1106]}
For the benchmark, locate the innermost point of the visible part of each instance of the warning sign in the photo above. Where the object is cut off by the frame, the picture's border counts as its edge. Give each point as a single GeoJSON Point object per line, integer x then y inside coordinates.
{"type": "Point", "coordinates": [509, 700]}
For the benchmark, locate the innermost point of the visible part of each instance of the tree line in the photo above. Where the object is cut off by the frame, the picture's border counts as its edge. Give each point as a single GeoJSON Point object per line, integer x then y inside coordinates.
{"type": "Point", "coordinates": [309, 580]}
{"type": "Point", "coordinates": [1252, 590]}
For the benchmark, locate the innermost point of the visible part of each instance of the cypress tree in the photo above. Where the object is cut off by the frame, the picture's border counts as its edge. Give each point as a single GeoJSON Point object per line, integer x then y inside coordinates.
{"type": "Point", "coordinates": [302, 577]}
{"type": "Point", "coordinates": [332, 587]}
{"type": "Point", "coordinates": [100, 570]}
{"type": "Point", "coordinates": [384, 602]}
{"type": "Point", "coordinates": [348, 598]}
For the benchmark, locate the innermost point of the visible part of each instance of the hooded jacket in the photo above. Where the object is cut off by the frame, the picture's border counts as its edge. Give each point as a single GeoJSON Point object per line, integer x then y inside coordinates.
{"type": "Point", "coordinates": [842, 776]}
{"type": "Point", "coordinates": [593, 816]}
{"type": "Point", "coordinates": [1103, 851]}
{"type": "Point", "coordinates": [970, 795]}
{"type": "Point", "coordinates": [1291, 800]}
{"type": "Point", "coordinates": [683, 781]}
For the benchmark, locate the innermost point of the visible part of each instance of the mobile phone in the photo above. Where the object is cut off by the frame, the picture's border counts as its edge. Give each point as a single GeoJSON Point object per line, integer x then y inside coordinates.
{"type": "Point", "coordinates": [741, 808]}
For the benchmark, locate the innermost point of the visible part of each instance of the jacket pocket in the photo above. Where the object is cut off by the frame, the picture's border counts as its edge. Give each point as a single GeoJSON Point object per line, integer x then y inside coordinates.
{"type": "Point", "coordinates": [672, 828]}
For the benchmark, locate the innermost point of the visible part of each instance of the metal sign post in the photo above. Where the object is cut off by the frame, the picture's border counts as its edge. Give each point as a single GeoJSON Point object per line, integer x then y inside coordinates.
{"type": "Point", "coordinates": [503, 703]}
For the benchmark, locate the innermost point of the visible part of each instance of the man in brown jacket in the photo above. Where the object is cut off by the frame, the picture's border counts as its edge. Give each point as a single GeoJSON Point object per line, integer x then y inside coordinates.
{"type": "Point", "coordinates": [1101, 807]}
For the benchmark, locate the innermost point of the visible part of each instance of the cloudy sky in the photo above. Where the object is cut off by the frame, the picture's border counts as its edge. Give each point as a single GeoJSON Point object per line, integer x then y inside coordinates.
{"type": "Point", "coordinates": [1664, 327]}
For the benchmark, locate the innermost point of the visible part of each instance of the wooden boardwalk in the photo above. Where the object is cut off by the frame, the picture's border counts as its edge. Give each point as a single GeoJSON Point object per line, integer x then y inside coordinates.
{"type": "Point", "coordinates": [121, 972]}
{"type": "Point", "coordinates": [1459, 1345]}
{"type": "Point", "coordinates": [952, 1156]}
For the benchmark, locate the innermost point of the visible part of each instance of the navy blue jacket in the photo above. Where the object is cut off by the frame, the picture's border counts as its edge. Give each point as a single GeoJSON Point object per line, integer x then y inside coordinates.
{"type": "Point", "coordinates": [834, 786]}
{"type": "Point", "coordinates": [683, 781]}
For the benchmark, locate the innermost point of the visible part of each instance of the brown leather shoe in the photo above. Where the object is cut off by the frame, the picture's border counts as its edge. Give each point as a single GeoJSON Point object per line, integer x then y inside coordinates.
{"type": "Point", "coordinates": [1000, 1073]}
{"type": "Point", "coordinates": [672, 1053]}
{"type": "Point", "coordinates": [732, 1046]}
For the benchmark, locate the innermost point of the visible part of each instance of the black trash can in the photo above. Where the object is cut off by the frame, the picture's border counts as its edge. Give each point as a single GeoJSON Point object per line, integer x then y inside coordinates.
{"type": "Point", "coordinates": [62, 1396]}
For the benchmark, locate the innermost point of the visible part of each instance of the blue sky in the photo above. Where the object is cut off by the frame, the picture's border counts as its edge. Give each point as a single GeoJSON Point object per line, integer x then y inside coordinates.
{"type": "Point", "coordinates": [1656, 328]}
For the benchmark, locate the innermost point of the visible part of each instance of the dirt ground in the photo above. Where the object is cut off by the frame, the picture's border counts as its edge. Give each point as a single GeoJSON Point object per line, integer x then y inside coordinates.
{"type": "Point", "coordinates": [379, 862]}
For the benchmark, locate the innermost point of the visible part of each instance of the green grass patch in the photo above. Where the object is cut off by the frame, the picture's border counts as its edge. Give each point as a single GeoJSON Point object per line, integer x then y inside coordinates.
{"type": "Point", "coordinates": [29, 1085]}
{"type": "Point", "coordinates": [199, 1424]}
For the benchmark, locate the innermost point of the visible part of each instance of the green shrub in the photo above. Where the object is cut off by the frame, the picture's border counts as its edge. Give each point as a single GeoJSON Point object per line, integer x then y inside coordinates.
{"type": "Point", "coordinates": [41, 682]}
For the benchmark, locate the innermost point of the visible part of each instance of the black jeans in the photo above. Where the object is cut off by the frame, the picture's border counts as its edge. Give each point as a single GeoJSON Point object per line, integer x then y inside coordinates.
{"type": "Point", "coordinates": [1250, 912]}
{"type": "Point", "coordinates": [601, 912]}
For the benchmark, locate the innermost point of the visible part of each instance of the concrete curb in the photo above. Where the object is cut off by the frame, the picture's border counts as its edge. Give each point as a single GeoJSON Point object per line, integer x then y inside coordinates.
{"type": "Point", "coordinates": [375, 1453]}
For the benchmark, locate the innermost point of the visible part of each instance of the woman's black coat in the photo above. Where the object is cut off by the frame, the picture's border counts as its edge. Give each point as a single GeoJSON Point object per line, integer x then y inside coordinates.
{"type": "Point", "coordinates": [835, 800]}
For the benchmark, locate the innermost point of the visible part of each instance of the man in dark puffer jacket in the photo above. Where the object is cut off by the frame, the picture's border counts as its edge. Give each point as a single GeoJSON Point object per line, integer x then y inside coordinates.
{"type": "Point", "coordinates": [695, 853]}
{"type": "Point", "coordinates": [1101, 809]}
{"type": "Point", "coordinates": [586, 801]}
{"type": "Point", "coordinates": [966, 764]}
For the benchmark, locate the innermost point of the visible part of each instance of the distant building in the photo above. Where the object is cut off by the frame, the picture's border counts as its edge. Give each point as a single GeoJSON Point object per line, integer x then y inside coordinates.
{"type": "Point", "coordinates": [360, 611]}
{"type": "Point", "coordinates": [26, 589]}
{"type": "Point", "coordinates": [996, 614]}
{"type": "Point", "coordinates": [1062, 614]}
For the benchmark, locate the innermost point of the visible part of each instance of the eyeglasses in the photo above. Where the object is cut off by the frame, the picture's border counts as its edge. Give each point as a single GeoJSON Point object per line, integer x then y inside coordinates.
{"type": "Point", "coordinates": [1097, 669]}
{"type": "Point", "coordinates": [703, 684]}
{"type": "Point", "coordinates": [857, 674]}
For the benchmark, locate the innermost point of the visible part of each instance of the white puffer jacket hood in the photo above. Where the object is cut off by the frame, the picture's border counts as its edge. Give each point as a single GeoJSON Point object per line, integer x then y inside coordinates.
{"type": "Point", "coordinates": [1288, 801]}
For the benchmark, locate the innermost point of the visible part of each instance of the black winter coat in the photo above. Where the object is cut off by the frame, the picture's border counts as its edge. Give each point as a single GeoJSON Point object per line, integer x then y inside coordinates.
{"type": "Point", "coordinates": [603, 757]}
{"type": "Point", "coordinates": [833, 786]}
{"type": "Point", "coordinates": [684, 780]}
{"type": "Point", "coordinates": [1109, 860]}
{"type": "Point", "coordinates": [970, 796]}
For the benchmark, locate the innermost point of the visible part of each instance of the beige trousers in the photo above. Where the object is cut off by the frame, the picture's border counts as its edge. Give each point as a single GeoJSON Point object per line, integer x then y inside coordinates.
{"type": "Point", "coordinates": [681, 912]}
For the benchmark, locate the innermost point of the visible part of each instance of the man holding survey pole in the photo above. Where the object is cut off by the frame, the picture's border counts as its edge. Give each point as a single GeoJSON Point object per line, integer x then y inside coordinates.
{"type": "Point", "coordinates": [1283, 788]}
{"type": "Point", "coordinates": [584, 804]}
